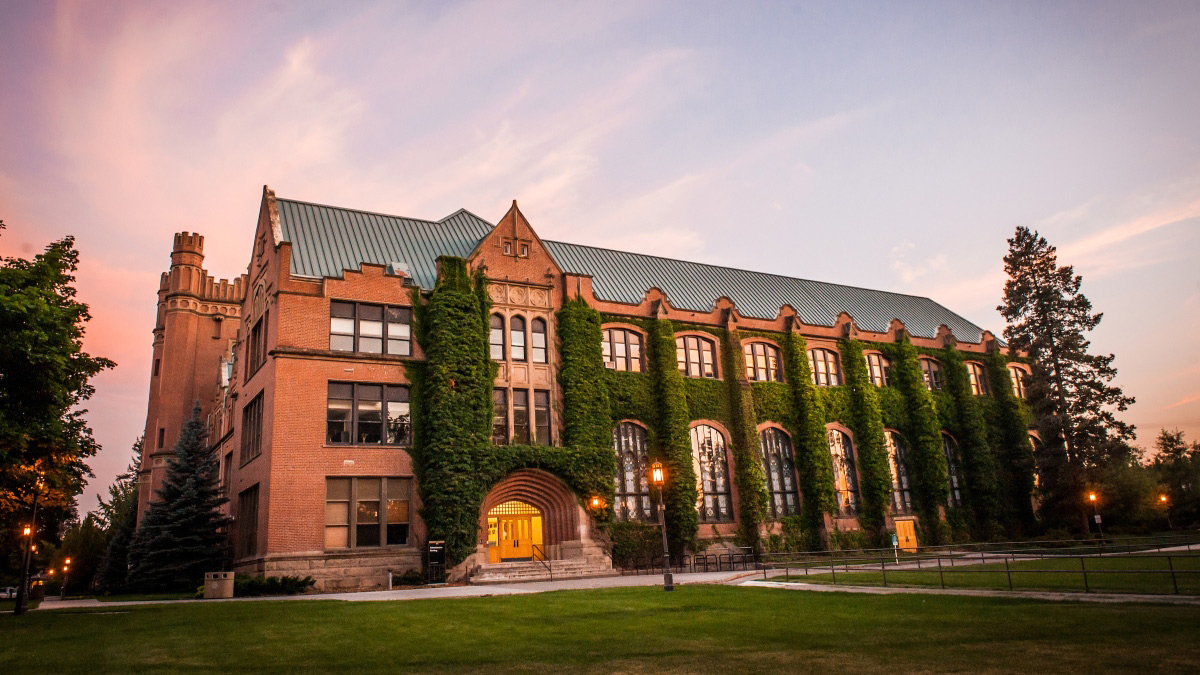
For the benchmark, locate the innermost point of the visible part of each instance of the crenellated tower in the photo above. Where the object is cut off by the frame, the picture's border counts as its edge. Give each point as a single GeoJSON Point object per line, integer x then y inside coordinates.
{"type": "Point", "coordinates": [197, 321]}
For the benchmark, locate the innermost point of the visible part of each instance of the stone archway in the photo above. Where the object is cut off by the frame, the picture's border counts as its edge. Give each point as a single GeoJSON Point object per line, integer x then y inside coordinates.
{"type": "Point", "coordinates": [565, 525]}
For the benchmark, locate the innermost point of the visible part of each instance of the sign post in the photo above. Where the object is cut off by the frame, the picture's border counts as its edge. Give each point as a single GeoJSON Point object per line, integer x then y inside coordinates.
{"type": "Point", "coordinates": [896, 547]}
{"type": "Point", "coordinates": [437, 561]}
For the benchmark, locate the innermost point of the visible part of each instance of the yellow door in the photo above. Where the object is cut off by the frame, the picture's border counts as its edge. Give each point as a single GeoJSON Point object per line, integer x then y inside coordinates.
{"type": "Point", "coordinates": [906, 532]}
{"type": "Point", "coordinates": [515, 534]}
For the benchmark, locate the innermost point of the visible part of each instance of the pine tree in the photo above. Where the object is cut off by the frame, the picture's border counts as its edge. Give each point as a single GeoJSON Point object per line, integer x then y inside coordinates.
{"type": "Point", "coordinates": [181, 537]}
{"type": "Point", "coordinates": [1070, 391]}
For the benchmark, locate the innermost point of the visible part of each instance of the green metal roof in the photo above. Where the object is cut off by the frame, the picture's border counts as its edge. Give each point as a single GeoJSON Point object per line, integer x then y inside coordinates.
{"type": "Point", "coordinates": [327, 240]}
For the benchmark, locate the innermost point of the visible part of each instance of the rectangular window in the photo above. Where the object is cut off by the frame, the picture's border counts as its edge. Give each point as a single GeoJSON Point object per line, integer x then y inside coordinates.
{"type": "Point", "coordinates": [541, 417]}
{"type": "Point", "coordinates": [157, 366]}
{"type": "Point", "coordinates": [356, 414]}
{"type": "Point", "coordinates": [520, 416]}
{"type": "Point", "coordinates": [227, 474]}
{"type": "Point", "coordinates": [499, 417]}
{"type": "Point", "coordinates": [247, 522]}
{"type": "Point", "coordinates": [252, 418]}
{"type": "Point", "coordinates": [370, 329]}
{"type": "Point", "coordinates": [256, 346]}
{"type": "Point", "coordinates": [367, 511]}
{"type": "Point", "coordinates": [162, 437]}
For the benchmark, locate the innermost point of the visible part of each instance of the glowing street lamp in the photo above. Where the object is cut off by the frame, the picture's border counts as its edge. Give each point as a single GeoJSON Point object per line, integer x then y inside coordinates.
{"type": "Point", "coordinates": [658, 479]}
{"type": "Point", "coordinates": [1162, 499]}
{"type": "Point", "coordinates": [28, 531]}
{"type": "Point", "coordinates": [1096, 513]}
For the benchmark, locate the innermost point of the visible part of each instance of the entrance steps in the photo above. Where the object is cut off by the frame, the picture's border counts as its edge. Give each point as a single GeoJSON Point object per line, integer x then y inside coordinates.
{"type": "Point", "coordinates": [513, 572]}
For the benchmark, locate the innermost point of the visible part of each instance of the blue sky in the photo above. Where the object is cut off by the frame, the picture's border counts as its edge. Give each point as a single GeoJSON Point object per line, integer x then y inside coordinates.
{"type": "Point", "coordinates": [888, 145]}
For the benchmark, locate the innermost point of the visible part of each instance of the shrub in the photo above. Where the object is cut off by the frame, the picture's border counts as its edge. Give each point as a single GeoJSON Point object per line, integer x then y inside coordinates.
{"type": "Point", "coordinates": [635, 543]}
{"type": "Point", "coordinates": [409, 578]}
{"type": "Point", "coordinates": [250, 587]}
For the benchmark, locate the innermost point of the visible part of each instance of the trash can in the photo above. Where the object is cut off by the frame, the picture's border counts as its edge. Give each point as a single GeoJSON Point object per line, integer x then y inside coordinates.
{"type": "Point", "coordinates": [218, 585]}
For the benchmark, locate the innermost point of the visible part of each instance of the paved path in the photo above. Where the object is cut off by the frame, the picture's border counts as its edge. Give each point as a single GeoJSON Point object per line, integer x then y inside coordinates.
{"type": "Point", "coordinates": [437, 591]}
{"type": "Point", "coordinates": [1033, 595]}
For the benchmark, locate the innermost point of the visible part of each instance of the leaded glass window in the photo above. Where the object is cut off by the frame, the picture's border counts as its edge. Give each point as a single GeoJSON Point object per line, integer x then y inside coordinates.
{"type": "Point", "coordinates": [632, 489]}
{"type": "Point", "coordinates": [845, 474]}
{"type": "Point", "coordinates": [776, 452]}
{"type": "Point", "coordinates": [826, 371]}
{"type": "Point", "coordinates": [953, 470]}
{"type": "Point", "coordinates": [709, 457]}
{"type": "Point", "coordinates": [696, 356]}
{"type": "Point", "coordinates": [898, 464]}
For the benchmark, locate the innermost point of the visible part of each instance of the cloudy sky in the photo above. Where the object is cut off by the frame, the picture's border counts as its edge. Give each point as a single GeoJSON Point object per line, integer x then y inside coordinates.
{"type": "Point", "coordinates": [889, 145]}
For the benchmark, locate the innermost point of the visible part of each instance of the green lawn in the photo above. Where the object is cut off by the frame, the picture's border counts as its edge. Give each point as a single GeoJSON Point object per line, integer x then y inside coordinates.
{"type": "Point", "coordinates": [134, 597]}
{"type": "Point", "coordinates": [1061, 575]}
{"type": "Point", "coordinates": [696, 628]}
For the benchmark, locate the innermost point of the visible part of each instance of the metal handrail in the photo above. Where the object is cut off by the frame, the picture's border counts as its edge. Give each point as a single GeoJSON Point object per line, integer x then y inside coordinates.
{"type": "Point", "coordinates": [544, 559]}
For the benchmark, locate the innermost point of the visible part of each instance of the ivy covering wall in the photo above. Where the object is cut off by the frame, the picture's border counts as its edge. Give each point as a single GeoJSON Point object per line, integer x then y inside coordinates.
{"type": "Point", "coordinates": [749, 474]}
{"type": "Point", "coordinates": [1014, 451]}
{"type": "Point", "coordinates": [866, 421]}
{"type": "Point", "coordinates": [968, 427]}
{"type": "Point", "coordinates": [674, 439]}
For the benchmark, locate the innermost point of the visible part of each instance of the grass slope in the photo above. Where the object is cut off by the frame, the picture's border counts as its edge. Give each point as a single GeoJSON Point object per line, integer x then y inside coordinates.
{"type": "Point", "coordinates": [696, 628]}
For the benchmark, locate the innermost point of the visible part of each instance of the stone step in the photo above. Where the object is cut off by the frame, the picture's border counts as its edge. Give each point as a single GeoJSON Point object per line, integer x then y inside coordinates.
{"type": "Point", "coordinates": [498, 573]}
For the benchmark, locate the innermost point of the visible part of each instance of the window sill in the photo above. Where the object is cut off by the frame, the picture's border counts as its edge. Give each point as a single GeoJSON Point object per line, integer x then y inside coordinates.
{"type": "Point", "coordinates": [384, 446]}
{"type": "Point", "coordinates": [359, 549]}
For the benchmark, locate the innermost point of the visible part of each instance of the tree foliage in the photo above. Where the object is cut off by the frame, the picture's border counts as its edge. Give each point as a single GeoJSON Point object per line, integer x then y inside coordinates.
{"type": "Point", "coordinates": [182, 536]}
{"type": "Point", "coordinates": [925, 458]}
{"type": "Point", "coordinates": [1071, 390]}
{"type": "Point", "coordinates": [45, 375]}
{"type": "Point", "coordinates": [1177, 468]}
{"type": "Point", "coordinates": [674, 447]}
{"type": "Point", "coordinates": [118, 517]}
{"type": "Point", "coordinates": [866, 421]}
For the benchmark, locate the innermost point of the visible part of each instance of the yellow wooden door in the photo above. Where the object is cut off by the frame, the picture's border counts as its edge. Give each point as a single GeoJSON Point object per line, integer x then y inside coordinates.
{"type": "Point", "coordinates": [515, 537]}
{"type": "Point", "coordinates": [906, 532]}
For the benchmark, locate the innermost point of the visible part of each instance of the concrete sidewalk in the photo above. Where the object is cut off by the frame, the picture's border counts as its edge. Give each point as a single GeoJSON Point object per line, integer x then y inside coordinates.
{"type": "Point", "coordinates": [1029, 595]}
{"type": "Point", "coordinates": [433, 592]}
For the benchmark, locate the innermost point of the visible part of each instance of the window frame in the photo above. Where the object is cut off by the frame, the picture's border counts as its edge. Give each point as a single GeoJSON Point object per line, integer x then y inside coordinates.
{"type": "Point", "coordinates": [513, 334]}
{"type": "Point", "coordinates": [953, 471]}
{"type": "Point", "coordinates": [879, 368]}
{"type": "Point", "coordinates": [758, 365]}
{"type": "Point", "coordinates": [932, 373]}
{"type": "Point", "coordinates": [626, 363]}
{"type": "Point", "coordinates": [500, 413]}
{"type": "Point", "coordinates": [386, 390]}
{"type": "Point", "coordinates": [493, 345]}
{"type": "Point", "coordinates": [782, 500]}
{"type": "Point", "coordinates": [977, 378]}
{"type": "Point", "coordinates": [1018, 375]}
{"type": "Point", "coordinates": [404, 488]}
{"type": "Point", "coordinates": [540, 410]}
{"type": "Point", "coordinates": [632, 501]}
{"type": "Point", "coordinates": [833, 367]}
{"type": "Point", "coordinates": [385, 336]}
{"type": "Point", "coordinates": [256, 346]}
{"type": "Point", "coordinates": [246, 544]}
{"type": "Point", "coordinates": [848, 469]}
{"type": "Point", "coordinates": [252, 430]}
{"type": "Point", "coordinates": [534, 333]}
{"type": "Point", "coordinates": [897, 452]}
{"type": "Point", "coordinates": [693, 344]}
{"type": "Point", "coordinates": [719, 499]}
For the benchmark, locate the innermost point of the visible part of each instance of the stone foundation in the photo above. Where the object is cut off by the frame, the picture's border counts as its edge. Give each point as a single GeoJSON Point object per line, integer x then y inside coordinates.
{"type": "Point", "coordinates": [335, 572]}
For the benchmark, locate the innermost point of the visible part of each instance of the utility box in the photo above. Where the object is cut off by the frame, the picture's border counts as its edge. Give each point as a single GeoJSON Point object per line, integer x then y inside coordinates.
{"type": "Point", "coordinates": [218, 585]}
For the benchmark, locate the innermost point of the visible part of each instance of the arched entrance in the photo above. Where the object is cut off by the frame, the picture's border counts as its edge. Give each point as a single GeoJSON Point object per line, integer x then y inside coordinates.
{"type": "Point", "coordinates": [515, 533]}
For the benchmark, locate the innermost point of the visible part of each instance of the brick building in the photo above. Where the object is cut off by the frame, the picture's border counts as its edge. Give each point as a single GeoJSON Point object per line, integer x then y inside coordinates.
{"type": "Point", "coordinates": [300, 367]}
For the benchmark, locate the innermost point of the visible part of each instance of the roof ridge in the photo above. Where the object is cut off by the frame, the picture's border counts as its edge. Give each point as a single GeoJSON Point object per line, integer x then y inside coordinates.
{"type": "Point", "coordinates": [738, 269]}
{"type": "Point", "coordinates": [369, 213]}
{"type": "Point", "coordinates": [466, 211]}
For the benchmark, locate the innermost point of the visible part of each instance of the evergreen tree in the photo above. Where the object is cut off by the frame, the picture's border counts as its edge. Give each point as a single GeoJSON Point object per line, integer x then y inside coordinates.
{"type": "Point", "coordinates": [180, 537]}
{"type": "Point", "coordinates": [1177, 467]}
{"type": "Point", "coordinates": [118, 517]}
{"type": "Point", "coordinates": [1070, 391]}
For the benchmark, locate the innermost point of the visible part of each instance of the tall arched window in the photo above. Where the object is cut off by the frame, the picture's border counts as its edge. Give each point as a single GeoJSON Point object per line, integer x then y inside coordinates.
{"type": "Point", "coordinates": [979, 383]}
{"type": "Point", "coordinates": [931, 370]}
{"type": "Point", "coordinates": [953, 469]}
{"type": "Point", "coordinates": [776, 451]}
{"type": "Point", "coordinates": [711, 463]}
{"type": "Point", "coordinates": [898, 463]}
{"type": "Point", "coordinates": [762, 362]}
{"type": "Point", "coordinates": [845, 475]}
{"type": "Point", "coordinates": [826, 372]}
{"type": "Point", "coordinates": [516, 337]}
{"type": "Point", "coordinates": [632, 490]}
{"type": "Point", "coordinates": [496, 338]}
{"type": "Point", "coordinates": [696, 356]}
{"type": "Point", "coordinates": [622, 349]}
{"type": "Point", "coordinates": [879, 369]}
{"type": "Point", "coordinates": [1017, 375]}
{"type": "Point", "coordinates": [537, 340]}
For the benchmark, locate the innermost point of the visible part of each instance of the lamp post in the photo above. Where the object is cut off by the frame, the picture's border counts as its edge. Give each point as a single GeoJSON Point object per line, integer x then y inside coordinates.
{"type": "Point", "coordinates": [1096, 513]}
{"type": "Point", "coordinates": [62, 592]}
{"type": "Point", "coordinates": [658, 479]}
{"type": "Point", "coordinates": [1162, 499]}
{"type": "Point", "coordinates": [29, 532]}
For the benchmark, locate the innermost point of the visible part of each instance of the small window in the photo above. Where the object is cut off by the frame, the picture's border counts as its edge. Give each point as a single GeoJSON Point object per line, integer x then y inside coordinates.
{"type": "Point", "coordinates": [898, 464]}
{"type": "Point", "coordinates": [879, 369]}
{"type": "Point", "coordinates": [845, 474]}
{"type": "Point", "coordinates": [696, 356]}
{"type": "Point", "coordinates": [499, 417]}
{"type": "Point", "coordinates": [711, 463]}
{"type": "Point", "coordinates": [537, 338]}
{"type": "Point", "coordinates": [516, 337]}
{"type": "Point", "coordinates": [524, 250]}
{"type": "Point", "coordinates": [826, 370]}
{"type": "Point", "coordinates": [931, 370]}
{"type": "Point", "coordinates": [622, 350]}
{"type": "Point", "coordinates": [979, 383]}
{"type": "Point", "coordinates": [1017, 375]}
{"type": "Point", "coordinates": [496, 338]}
{"type": "Point", "coordinates": [508, 248]}
{"type": "Point", "coordinates": [632, 489]}
{"type": "Point", "coordinates": [520, 416]}
{"type": "Point", "coordinates": [541, 417]}
{"type": "Point", "coordinates": [763, 363]}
